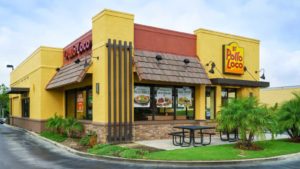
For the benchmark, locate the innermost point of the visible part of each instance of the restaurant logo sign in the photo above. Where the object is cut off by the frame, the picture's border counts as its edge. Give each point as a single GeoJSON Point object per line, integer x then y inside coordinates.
{"type": "Point", "coordinates": [79, 48]}
{"type": "Point", "coordinates": [233, 59]}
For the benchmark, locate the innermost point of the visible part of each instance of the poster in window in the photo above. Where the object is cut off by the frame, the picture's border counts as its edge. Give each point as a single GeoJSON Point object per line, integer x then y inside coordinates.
{"type": "Point", "coordinates": [164, 97]}
{"type": "Point", "coordinates": [142, 96]}
{"type": "Point", "coordinates": [184, 97]}
{"type": "Point", "coordinates": [79, 105]}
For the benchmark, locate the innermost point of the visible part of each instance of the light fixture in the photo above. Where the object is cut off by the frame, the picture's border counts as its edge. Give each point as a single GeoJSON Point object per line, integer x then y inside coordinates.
{"type": "Point", "coordinates": [97, 88]}
{"type": "Point", "coordinates": [77, 61]}
{"type": "Point", "coordinates": [263, 73]}
{"type": "Point", "coordinates": [213, 65]}
{"type": "Point", "coordinates": [158, 57]}
{"type": "Point", "coordinates": [10, 66]}
{"type": "Point", "coordinates": [186, 61]}
{"type": "Point", "coordinates": [96, 57]}
{"type": "Point", "coordinates": [57, 69]}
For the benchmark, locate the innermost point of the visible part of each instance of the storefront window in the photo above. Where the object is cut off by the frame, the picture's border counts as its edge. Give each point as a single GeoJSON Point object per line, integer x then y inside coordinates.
{"type": "Point", "coordinates": [163, 103]}
{"type": "Point", "coordinates": [79, 103]}
{"type": "Point", "coordinates": [228, 94]}
{"type": "Point", "coordinates": [184, 103]}
{"type": "Point", "coordinates": [210, 106]}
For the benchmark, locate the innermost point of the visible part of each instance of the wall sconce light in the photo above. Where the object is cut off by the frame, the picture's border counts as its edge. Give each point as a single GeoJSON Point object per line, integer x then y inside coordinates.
{"type": "Point", "coordinates": [158, 58]}
{"type": "Point", "coordinates": [213, 65]}
{"type": "Point", "coordinates": [186, 61]}
{"type": "Point", "coordinates": [10, 66]}
{"type": "Point", "coordinates": [97, 88]}
{"type": "Point", "coordinates": [96, 57]}
{"type": "Point", "coordinates": [77, 61]}
{"type": "Point", "coordinates": [263, 73]}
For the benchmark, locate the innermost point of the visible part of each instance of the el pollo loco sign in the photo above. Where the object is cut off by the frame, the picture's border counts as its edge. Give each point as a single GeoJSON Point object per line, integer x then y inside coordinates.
{"type": "Point", "coordinates": [233, 59]}
{"type": "Point", "coordinates": [79, 48]}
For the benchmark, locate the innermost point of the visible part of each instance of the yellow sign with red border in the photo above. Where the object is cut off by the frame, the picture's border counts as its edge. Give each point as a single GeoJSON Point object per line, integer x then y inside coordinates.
{"type": "Point", "coordinates": [233, 59]}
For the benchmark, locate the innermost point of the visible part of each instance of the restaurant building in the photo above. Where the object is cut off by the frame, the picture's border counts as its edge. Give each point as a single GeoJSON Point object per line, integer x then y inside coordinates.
{"type": "Point", "coordinates": [270, 95]}
{"type": "Point", "coordinates": [128, 81]}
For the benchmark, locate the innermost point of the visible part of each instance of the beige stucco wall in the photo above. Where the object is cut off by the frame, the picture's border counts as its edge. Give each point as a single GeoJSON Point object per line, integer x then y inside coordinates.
{"type": "Point", "coordinates": [271, 96]}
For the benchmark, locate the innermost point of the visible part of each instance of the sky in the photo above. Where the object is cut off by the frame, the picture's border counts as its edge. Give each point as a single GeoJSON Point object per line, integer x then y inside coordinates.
{"type": "Point", "coordinates": [27, 24]}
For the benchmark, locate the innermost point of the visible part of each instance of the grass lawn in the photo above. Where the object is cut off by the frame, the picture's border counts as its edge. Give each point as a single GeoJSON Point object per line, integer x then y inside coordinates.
{"type": "Point", "coordinates": [227, 152]}
{"type": "Point", "coordinates": [53, 136]}
{"type": "Point", "coordinates": [118, 151]}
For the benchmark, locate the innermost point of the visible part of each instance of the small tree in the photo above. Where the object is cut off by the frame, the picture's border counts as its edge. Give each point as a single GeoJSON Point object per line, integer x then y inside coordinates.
{"type": "Point", "coordinates": [289, 117]}
{"type": "Point", "coordinates": [248, 116]}
{"type": "Point", "coordinates": [72, 127]}
{"type": "Point", "coordinates": [55, 124]}
{"type": "Point", "coordinates": [4, 100]}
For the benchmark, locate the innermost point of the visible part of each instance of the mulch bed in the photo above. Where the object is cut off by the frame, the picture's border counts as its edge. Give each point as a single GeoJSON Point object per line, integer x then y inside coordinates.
{"type": "Point", "coordinates": [74, 143]}
{"type": "Point", "coordinates": [253, 147]}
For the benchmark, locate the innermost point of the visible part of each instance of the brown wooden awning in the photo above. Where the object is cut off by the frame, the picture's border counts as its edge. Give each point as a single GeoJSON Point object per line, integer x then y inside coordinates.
{"type": "Point", "coordinates": [17, 90]}
{"type": "Point", "coordinates": [235, 82]}
{"type": "Point", "coordinates": [171, 68]}
{"type": "Point", "coordinates": [71, 73]}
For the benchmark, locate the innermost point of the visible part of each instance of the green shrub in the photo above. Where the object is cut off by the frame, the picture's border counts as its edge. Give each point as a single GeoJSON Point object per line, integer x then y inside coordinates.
{"type": "Point", "coordinates": [55, 124]}
{"type": "Point", "coordinates": [72, 127]}
{"type": "Point", "coordinates": [85, 140]}
{"type": "Point", "coordinates": [53, 136]}
{"type": "Point", "coordinates": [246, 115]}
{"type": "Point", "coordinates": [133, 153]}
{"type": "Point", "coordinates": [289, 117]}
{"type": "Point", "coordinates": [114, 150]}
{"type": "Point", "coordinates": [106, 149]}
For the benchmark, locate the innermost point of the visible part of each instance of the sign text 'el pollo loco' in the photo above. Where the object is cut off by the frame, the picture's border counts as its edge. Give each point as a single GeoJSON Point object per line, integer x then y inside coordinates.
{"type": "Point", "coordinates": [233, 59]}
{"type": "Point", "coordinates": [79, 48]}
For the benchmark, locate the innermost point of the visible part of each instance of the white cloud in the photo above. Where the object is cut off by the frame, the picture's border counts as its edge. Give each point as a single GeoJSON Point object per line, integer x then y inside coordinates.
{"type": "Point", "coordinates": [25, 26]}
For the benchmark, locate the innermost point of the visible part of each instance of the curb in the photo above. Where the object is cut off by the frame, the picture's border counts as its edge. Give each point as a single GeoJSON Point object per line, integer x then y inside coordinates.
{"type": "Point", "coordinates": [161, 162]}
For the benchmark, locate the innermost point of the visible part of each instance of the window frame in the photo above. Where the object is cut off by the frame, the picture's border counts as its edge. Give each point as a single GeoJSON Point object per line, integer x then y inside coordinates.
{"type": "Point", "coordinates": [86, 89]}
{"type": "Point", "coordinates": [174, 97]}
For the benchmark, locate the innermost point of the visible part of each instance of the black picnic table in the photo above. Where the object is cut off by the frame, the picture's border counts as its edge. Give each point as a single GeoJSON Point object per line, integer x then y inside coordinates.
{"type": "Point", "coordinates": [192, 130]}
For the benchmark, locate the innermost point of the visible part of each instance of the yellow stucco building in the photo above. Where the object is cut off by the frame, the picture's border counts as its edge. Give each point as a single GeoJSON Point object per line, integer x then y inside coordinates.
{"type": "Point", "coordinates": [121, 79]}
{"type": "Point", "coordinates": [278, 95]}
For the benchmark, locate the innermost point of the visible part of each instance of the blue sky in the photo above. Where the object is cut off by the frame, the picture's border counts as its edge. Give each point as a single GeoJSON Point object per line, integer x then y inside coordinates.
{"type": "Point", "coordinates": [28, 24]}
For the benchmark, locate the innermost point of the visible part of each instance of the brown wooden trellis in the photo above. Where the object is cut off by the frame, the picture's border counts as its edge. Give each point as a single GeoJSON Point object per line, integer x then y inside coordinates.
{"type": "Point", "coordinates": [119, 79]}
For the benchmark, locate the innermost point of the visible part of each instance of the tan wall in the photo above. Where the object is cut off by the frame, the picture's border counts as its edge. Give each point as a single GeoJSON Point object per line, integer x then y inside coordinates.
{"type": "Point", "coordinates": [278, 95]}
{"type": "Point", "coordinates": [34, 73]}
{"type": "Point", "coordinates": [108, 24]}
{"type": "Point", "coordinates": [210, 48]}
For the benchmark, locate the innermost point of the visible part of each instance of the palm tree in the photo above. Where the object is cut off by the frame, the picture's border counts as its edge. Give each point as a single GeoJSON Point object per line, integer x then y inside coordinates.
{"type": "Point", "coordinates": [289, 117]}
{"type": "Point", "coordinates": [248, 116]}
{"type": "Point", "coordinates": [72, 127]}
{"type": "Point", "coordinates": [55, 123]}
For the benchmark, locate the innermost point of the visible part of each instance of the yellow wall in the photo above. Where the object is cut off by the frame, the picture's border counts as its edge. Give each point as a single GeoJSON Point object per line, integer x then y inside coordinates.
{"type": "Point", "coordinates": [107, 24]}
{"type": "Point", "coordinates": [34, 73]}
{"type": "Point", "coordinates": [210, 48]}
{"type": "Point", "coordinates": [271, 96]}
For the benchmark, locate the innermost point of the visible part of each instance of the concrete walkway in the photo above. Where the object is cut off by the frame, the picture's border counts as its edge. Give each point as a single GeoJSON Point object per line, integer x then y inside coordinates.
{"type": "Point", "coordinates": [166, 144]}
